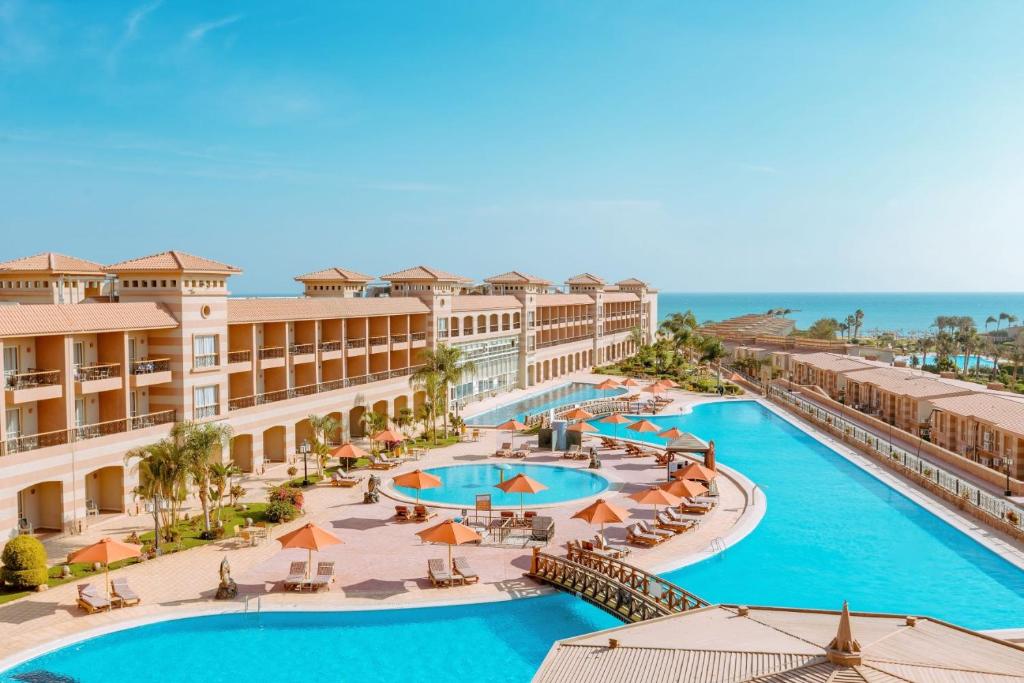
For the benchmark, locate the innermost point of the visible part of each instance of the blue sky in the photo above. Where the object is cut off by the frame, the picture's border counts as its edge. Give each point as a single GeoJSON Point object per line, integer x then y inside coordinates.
{"type": "Point", "coordinates": [706, 146]}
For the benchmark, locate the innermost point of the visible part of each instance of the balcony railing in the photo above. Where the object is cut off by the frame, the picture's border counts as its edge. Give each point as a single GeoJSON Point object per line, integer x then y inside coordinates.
{"type": "Point", "coordinates": [87, 373]}
{"type": "Point", "coordinates": [32, 378]}
{"type": "Point", "coordinates": [568, 340]}
{"type": "Point", "coordinates": [299, 349]}
{"type": "Point", "coordinates": [149, 366]}
{"type": "Point", "coordinates": [240, 356]}
{"type": "Point", "coordinates": [399, 338]}
{"type": "Point", "coordinates": [31, 442]}
{"type": "Point", "coordinates": [355, 343]}
{"type": "Point", "coordinates": [378, 341]}
{"type": "Point", "coordinates": [330, 345]}
{"type": "Point", "coordinates": [310, 389]}
{"type": "Point", "coordinates": [441, 334]}
{"type": "Point", "coordinates": [205, 411]}
{"type": "Point", "coordinates": [495, 328]}
{"type": "Point", "coordinates": [418, 336]}
{"type": "Point", "coordinates": [271, 352]}
{"type": "Point", "coordinates": [205, 360]}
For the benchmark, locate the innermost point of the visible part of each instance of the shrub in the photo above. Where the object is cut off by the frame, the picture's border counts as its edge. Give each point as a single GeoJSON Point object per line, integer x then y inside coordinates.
{"type": "Point", "coordinates": [286, 494]}
{"type": "Point", "coordinates": [281, 511]}
{"type": "Point", "coordinates": [292, 471]}
{"type": "Point", "coordinates": [24, 561]}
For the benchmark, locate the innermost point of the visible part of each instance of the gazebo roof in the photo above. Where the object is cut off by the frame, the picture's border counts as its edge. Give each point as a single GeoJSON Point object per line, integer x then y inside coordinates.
{"type": "Point", "coordinates": [688, 443]}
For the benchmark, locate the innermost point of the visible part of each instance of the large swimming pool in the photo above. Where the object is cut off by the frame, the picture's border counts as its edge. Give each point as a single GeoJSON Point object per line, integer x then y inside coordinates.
{"type": "Point", "coordinates": [462, 483]}
{"type": "Point", "coordinates": [831, 532]}
{"type": "Point", "coordinates": [574, 392]}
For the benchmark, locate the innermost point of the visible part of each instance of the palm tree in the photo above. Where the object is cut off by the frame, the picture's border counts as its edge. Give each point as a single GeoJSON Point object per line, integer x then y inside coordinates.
{"type": "Point", "coordinates": [858, 322]}
{"type": "Point", "coordinates": [713, 351]}
{"type": "Point", "coordinates": [201, 441]}
{"type": "Point", "coordinates": [404, 419]}
{"type": "Point", "coordinates": [1002, 317]}
{"type": "Point", "coordinates": [1016, 354]}
{"type": "Point", "coordinates": [451, 368]}
{"type": "Point", "coordinates": [428, 380]}
{"type": "Point", "coordinates": [322, 426]}
{"type": "Point", "coordinates": [220, 482]}
{"type": "Point", "coordinates": [991, 320]}
{"type": "Point", "coordinates": [681, 328]}
{"type": "Point", "coordinates": [374, 423]}
{"type": "Point", "coordinates": [163, 480]}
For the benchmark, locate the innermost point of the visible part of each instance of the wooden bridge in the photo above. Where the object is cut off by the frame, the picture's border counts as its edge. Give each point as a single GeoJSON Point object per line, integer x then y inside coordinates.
{"type": "Point", "coordinates": [629, 593]}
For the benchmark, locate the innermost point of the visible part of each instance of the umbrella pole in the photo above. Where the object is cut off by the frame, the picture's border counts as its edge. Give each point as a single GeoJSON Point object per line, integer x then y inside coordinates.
{"type": "Point", "coordinates": [310, 563]}
{"type": "Point", "coordinates": [451, 569]}
{"type": "Point", "coordinates": [106, 574]}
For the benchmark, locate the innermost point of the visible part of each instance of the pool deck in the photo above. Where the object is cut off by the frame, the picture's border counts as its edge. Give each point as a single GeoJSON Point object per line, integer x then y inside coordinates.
{"type": "Point", "coordinates": [382, 563]}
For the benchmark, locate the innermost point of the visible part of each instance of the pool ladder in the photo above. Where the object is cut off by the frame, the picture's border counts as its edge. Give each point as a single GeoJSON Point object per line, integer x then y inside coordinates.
{"type": "Point", "coordinates": [717, 545]}
{"type": "Point", "coordinates": [258, 600]}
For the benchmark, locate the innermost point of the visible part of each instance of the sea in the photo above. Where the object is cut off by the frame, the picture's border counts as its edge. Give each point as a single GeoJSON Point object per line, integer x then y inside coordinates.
{"type": "Point", "coordinates": [902, 313]}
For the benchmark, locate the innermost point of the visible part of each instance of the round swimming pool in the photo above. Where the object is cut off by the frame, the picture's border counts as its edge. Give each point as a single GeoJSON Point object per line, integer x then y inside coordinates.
{"type": "Point", "coordinates": [460, 484]}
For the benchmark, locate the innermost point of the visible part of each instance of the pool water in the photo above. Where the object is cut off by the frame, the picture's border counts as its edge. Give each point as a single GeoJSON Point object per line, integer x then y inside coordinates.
{"type": "Point", "coordinates": [503, 641]}
{"type": "Point", "coordinates": [574, 392]}
{"type": "Point", "coordinates": [462, 483]}
{"type": "Point", "coordinates": [832, 532]}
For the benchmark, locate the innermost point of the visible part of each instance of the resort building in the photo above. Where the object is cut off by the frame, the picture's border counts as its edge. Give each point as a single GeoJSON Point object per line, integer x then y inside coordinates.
{"type": "Point", "coordinates": [98, 360]}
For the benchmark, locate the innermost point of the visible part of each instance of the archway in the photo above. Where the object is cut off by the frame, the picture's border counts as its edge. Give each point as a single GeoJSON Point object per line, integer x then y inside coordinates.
{"type": "Point", "coordinates": [335, 437]}
{"type": "Point", "coordinates": [355, 422]}
{"type": "Point", "coordinates": [104, 489]}
{"type": "Point", "coordinates": [241, 451]}
{"type": "Point", "coordinates": [42, 506]}
{"type": "Point", "coordinates": [303, 432]}
{"type": "Point", "coordinates": [275, 442]}
{"type": "Point", "coordinates": [529, 375]}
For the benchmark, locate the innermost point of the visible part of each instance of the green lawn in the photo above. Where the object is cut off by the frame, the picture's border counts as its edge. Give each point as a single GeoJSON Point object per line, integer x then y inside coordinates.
{"type": "Point", "coordinates": [191, 529]}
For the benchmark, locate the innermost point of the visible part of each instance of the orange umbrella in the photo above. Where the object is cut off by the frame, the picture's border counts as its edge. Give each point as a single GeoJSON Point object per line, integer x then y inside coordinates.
{"type": "Point", "coordinates": [348, 451]}
{"type": "Point", "coordinates": [581, 427]}
{"type": "Point", "coordinates": [601, 512]}
{"type": "Point", "coordinates": [521, 484]}
{"type": "Point", "coordinates": [388, 435]}
{"type": "Point", "coordinates": [106, 551]}
{"type": "Point", "coordinates": [671, 433]}
{"type": "Point", "coordinates": [512, 426]}
{"type": "Point", "coordinates": [417, 479]}
{"type": "Point", "coordinates": [578, 414]}
{"type": "Point", "coordinates": [685, 488]}
{"type": "Point", "coordinates": [607, 385]}
{"type": "Point", "coordinates": [451, 533]}
{"type": "Point", "coordinates": [671, 384]}
{"type": "Point", "coordinates": [641, 426]}
{"type": "Point", "coordinates": [630, 382]}
{"type": "Point", "coordinates": [655, 388]}
{"type": "Point", "coordinates": [655, 496]}
{"type": "Point", "coordinates": [308, 537]}
{"type": "Point", "coordinates": [615, 419]}
{"type": "Point", "coordinates": [695, 471]}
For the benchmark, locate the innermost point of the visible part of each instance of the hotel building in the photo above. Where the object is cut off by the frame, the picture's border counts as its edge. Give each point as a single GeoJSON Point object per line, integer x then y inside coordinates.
{"type": "Point", "coordinates": [98, 360]}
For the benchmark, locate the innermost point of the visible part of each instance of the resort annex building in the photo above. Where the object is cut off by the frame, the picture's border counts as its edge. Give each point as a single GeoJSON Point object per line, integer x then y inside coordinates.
{"type": "Point", "coordinates": [98, 360]}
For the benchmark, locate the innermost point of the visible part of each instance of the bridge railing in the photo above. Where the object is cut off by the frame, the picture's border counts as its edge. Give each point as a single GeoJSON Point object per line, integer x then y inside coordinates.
{"type": "Point", "coordinates": [596, 406]}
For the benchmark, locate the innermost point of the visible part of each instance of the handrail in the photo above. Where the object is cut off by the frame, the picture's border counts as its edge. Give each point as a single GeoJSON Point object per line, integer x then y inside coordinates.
{"type": "Point", "coordinates": [86, 373]}
{"type": "Point", "coordinates": [399, 338]}
{"type": "Point", "coordinates": [271, 352]}
{"type": "Point", "coordinates": [299, 349]}
{"type": "Point", "coordinates": [148, 366]}
{"type": "Point", "coordinates": [330, 345]}
{"type": "Point", "coordinates": [418, 336]}
{"type": "Point", "coordinates": [32, 378]}
{"type": "Point", "coordinates": [596, 406]}
{"type": "Point", "coordinates": [31, 442]}
{"type": "Point", "coordinates": [355, 343]}
{"type": "Point", "coordinates": [378, 340]}
{"type": "Point", "coordinates": [310, 389]}
{"type": "Point", "coordinates": [625, 591]}
{"type": "Point", "coordinates": [243, 356]}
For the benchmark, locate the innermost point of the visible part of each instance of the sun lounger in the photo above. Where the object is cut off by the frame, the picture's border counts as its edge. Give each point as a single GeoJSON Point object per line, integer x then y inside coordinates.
{"type": "Point", "coordinates": [542, 528]}
{"type": "Point", "coordinates": [663, 458]}
{"type": "Point", "coordinates": [123, 594]}
{"type": "Point", "coordinates": [505, 450]}
{"type": "Point", "coordinates": [379, 463]}
{"type": "Point", "coordinates": [694, 507]}
{"type": "Point", "coordinates": [438, 572]}
{"type": "Point", "coordinates": [634, 451]}
{"type": "Point", "coordinates": [343, 480]}
{"type": "Point", "coordinates": [634, 534]}
{"type": "Point", "coordinates": [602, 543]}
{"type": "Point", "coordinates": [420, 513]}
{"type": "Point", "coordinates": [462, 568]}
{"type": "Point", "coordinates": [402, 513]}
{"type": "Point", "coordinates": [644, 526]}
{"type": "Point", "coordinates": [296, 575]}
{"type": "Point", "coordinates": [677, 516]}
{"type": "Point", "coordinates": [324, 576]}
{"type": "Point", "coordinates": [572, 451]}
{"type": "Point", "coordinates": [663, 521]}
{"type": "Point", "coordinates": [91, 600]}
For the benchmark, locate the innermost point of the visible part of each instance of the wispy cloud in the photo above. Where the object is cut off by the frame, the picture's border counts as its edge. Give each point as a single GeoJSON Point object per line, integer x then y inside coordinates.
{"type": "Point", "coordinates": [131, 30]}
{"type": "Point", "coordinates": [24, 30]}
{"type": "Point", "coordinates": [199, 31]}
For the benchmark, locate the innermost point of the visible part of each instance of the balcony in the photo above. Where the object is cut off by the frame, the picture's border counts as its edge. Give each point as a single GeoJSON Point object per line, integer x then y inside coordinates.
{"type": "Point", "coordinates": [202, 412]}
{"type": "Point", "coordinates": [271, 356]}
{"type": "Point", "coordinates": [90, 379]}
{"type": "Point", "coordinates": [399, 341]}
{"type": "Point", "coordinates": [33, 385]}
{"type": "Point", "coordinates": [312, 389]}
{"type": "Point", "coordinates": [240, 361]}
{"type": "Point", "coordinates": [355, 347]}
{"type": "Point", "coordinates": [302, 353]}
{"type": "Point", "coordinates": [150, 371]}
{"type": "Point", "coordinates": [31, 442]}
{"type": "Point", "coordinates": [378, 344]}
{"type": "Point", "coordinates": [419, 339]}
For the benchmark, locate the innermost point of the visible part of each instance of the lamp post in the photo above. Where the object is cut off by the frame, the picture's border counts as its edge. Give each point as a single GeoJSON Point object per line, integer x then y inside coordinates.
{"type": "Point", "coordinates": [304, 449]}
{"type": "Point", "coordinates": [1008, 462]}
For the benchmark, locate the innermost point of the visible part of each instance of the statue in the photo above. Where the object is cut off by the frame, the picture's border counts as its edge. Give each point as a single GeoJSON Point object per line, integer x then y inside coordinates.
{"type": "Point", "coordinates": [227, 589]}
{"type": "Point", "coordinates": [372, 495]}
{"type": "Point", "coordinates": [595, 462]}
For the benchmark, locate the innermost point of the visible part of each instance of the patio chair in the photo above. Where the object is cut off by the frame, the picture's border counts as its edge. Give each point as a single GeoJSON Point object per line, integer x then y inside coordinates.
{"type": "Point", "coordinates": [602, 543]}
{"type": "Point", "coordinates": [402, 513]}
{"type": "Point", "coordinates": [24, 526]}
{"type": "Point", "coordinates": [542, 528]}
{"type": "Point", "coordinates": [663, 521]}
{"type": "Point", "coordinates": [664, 533]}
{"type": "Point", "coordinates": [379, 463]}
{"type": "Point", "coordinates": [505, 450]}
{"type": "Point", "coordinates": [476, 434]}
{"type": "Point", "coordinates": [520, 452]}
{"type": "Point", "coordinates": [463, 569]}
{"type": "Point", "coordinates": [573, 452]}
{"type": "Point", "coordinates": [636, 535]}
{"type": "Point", "coordinates": [420, 513]}
{"type": "Point", "coordinates": [343, 480]}
{"type": "Point", "coordinates": [91, 508]}
{"type": "Point", "coordinates": [123, 594]}
{"type": "Point", "coordinates": [437, 571]}
{"type": "Point", "coordinates": [296, 576]}
{"type": "Point", "coordinates": [91, 600]}
{"type": "Point", "coordinates": [694, 507]}
{"type": "Point", "coordinates": [324, 575]}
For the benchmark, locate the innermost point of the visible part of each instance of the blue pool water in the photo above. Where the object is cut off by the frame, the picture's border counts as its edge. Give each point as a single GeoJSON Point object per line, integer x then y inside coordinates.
{"type": "Point", "coordinates": [833, 532]}
{"type": "Point", "coordinates": [574, 392]}
{"type": "Point", "coordinates": [503, 641]}
{"type": "Point", "coordinates": [462, 483]}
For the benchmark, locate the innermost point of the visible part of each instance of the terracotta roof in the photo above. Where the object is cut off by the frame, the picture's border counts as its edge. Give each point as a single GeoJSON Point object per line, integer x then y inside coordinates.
{"type": "Point", "coordinates": [905, 382]}
{"type": "Point", "coordinates": [631, 282]}
{"type": "Point", "coordinates": [484, 303]}
{"type": "Point", "coordinates": [424, 273]}
{"type": "Point", "coordinates": [619, 297]}
{"type": "Point", "coordinates": [301, 308]}
{"type": "Point", "coordinates": [1002, 411]}
{"type": "Point", "coordinates": [171, 261]}
{"type": "Point", "coordinates": [833, 362]}
{"type": "Point", "coordinates": [563, 299]}
{"type": "Point", "coordinates": [783, 646]}
{"type": "Point", "coordinates": [53, 263]}
{"type": "Point", "coordinates": [335, 275]}
{"type": "Point", "coordinates": [584, 279]}
{"type": "Point", "coordinates": [45, 319]}
{"type": "Point", "coordinates": [514, 277]}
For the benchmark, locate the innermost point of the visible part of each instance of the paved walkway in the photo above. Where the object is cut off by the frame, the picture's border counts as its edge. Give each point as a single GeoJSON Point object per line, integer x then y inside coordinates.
{"type": "Point", "coordinates": [381, 562]}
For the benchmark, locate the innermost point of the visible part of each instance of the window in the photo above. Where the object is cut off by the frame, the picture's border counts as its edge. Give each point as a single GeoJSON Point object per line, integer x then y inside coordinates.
{"type": "Point", "coordinates": [133, 404]}
{"type": "Point", "coordinates": [205, 402]}
{"type": "Point", "coordinates": [79, 412]}
{"type": "Point", "coordinates": [13, 419]}
{"type": "Point", "coordinates": [10, 361]}
{"type": "Point", "coordinates": [204, 351]}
